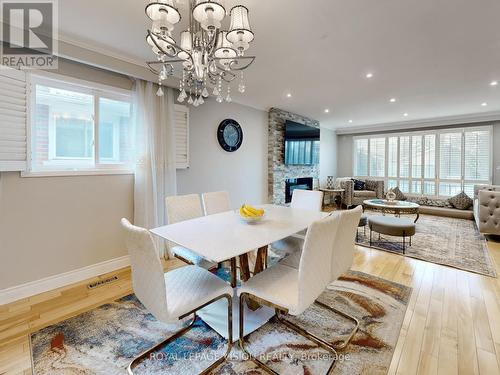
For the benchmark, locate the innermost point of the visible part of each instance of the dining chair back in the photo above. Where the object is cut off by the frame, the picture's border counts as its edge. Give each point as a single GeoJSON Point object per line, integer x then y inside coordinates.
{"type": "Point", "coordinates": [307, 199]}
{"type": "Point", "coordinates": [344, 245]}
{"type": "Point", "coordinates": [174, 295]}
{"type": "Point", "coordinates": [315, 261]}
{"type": "Point", "coordinates": [147, 271]}
{"type": "Point", "coordinates": [215, 202]}
{"type": "Point", "coordinates": [183, 207]}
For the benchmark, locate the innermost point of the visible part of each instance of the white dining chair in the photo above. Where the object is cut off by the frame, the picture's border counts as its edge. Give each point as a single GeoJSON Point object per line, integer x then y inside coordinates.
{"type": "Point", "coordinates": [311, 200]}
{"type": "Point", "coordinates": [215, 202]}
{"type": "Point", "coordinates": [291, 290]}
{"type": "Point", "coordinates": [174, 295]}
{"type": "Point", "coordinates": [307, 199]}
{"type": "Point", "coordinates": [181, 208]}
{"type": "Point", "coordinates": [341, 261]}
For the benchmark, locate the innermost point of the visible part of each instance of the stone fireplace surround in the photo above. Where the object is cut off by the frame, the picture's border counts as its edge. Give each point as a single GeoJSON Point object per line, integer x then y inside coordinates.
{"type": "Point", "coordinates": [278, 172]}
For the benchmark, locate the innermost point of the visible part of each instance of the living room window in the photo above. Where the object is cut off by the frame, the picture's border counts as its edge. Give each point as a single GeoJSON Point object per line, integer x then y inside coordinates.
{"type": "Point", "coordinates": [431, 163]}
{"type": "Point", "coordinates": [79, 127]}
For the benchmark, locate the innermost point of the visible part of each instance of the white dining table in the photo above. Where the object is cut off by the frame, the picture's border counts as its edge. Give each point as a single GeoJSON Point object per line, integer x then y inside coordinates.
{"type": "Point", "coordinates": [225, 236]}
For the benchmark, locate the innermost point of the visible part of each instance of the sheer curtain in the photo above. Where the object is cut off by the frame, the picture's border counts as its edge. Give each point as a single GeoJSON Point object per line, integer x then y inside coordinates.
{"type": "Point", "coordinates": [155, 176]}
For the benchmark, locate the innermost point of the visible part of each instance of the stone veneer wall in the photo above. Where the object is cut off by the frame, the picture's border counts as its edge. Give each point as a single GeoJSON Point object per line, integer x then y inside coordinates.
{"type": "Point", "coordinates": [278, 172]}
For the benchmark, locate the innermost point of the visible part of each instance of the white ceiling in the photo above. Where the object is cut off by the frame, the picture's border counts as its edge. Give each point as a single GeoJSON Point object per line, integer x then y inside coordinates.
{"type": "Point", "coordinates": [437, 57]}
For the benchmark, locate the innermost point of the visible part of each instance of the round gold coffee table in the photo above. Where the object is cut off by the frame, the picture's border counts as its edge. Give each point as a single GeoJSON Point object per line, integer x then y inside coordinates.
{"type": "Point", "coordinates": [397, 207]}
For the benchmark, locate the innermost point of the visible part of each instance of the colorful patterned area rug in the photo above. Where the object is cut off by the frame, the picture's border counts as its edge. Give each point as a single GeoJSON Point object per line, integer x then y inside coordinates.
{"type": "Point", "coordinates": [443, 240]}
{"type": "Point", "coordinates": [104, 340]}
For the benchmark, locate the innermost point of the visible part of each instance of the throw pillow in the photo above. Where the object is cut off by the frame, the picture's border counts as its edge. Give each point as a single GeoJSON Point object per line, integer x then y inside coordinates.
{"type": "Point", "coordinates": [399, 194]}
{"type": "Point", "coordinates": [437, 202]}
{"type": "Point", "coordinates": [461, 201]}
{"type": "Point", "coordinates": [358, 184]}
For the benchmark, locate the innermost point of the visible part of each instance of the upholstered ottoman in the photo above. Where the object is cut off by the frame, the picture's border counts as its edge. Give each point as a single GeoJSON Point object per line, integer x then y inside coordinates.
{"type": "Point", "coordinates": [392, 226]}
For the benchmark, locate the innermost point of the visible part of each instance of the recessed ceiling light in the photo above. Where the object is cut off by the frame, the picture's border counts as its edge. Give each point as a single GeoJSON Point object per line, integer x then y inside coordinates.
{"type": "Point", "coordinates": [484, 104]}
{"type": "Point", "coordinates": [392, 100]}
{"type": "Point", "coordinates": [350, 121]}
{"type": "Point", "coordinates": [327, 110]}
{"type": "Point", "coordinates": [369, 75]}
{"type": "Point", "coordinates": [405, 114]}
{"type": "Point", "coordinates": [493, 83]}
{"type": "Point", "coordinates": [288, 95]}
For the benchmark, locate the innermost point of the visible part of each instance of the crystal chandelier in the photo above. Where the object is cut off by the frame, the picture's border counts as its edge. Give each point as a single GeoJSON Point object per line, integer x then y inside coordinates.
{"type": "Point", "coordinates": [207, 55]}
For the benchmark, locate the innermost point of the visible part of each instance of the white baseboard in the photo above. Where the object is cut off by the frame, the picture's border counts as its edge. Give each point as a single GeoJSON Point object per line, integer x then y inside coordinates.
{"type": "Point", "coordinates": [57, 281]}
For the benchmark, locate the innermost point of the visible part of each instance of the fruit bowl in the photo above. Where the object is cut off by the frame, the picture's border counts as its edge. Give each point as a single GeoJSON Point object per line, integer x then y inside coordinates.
{"type": "Point", "coordinates": [251, 220]}
{"type": "Point", "coordinates": [251, 214]}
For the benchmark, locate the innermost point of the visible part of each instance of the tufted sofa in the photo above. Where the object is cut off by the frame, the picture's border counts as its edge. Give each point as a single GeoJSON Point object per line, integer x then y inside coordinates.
{"type": "Point", "coordinates": [487, 208]}
{"type": "Point", "coordinates": [351, 197]}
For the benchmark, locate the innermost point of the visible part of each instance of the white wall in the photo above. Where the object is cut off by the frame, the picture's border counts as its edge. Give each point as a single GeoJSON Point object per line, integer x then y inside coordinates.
{"type": "Point", "coordinates": [242, 173]}
{"type": "Point", "coordinates": [51, 225]}
{"type": "Point", "coordinates": [344, 155]}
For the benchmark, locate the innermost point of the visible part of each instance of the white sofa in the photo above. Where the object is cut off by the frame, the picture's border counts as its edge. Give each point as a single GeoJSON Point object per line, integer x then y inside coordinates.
{"type": "Point", "coordinates": [487, 208]}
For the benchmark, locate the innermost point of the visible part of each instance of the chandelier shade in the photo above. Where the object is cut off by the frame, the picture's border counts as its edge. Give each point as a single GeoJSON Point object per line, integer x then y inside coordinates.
{"type": "Point", "coordinates": [186, 44]}
{"type": "Point", "coordinates": [224, 48]}
{"type": "Point", "coordinates": [209, 13]}
{"type": "Point", "coordinates": [163, 10]}
{"type": "Point", "coordinates": [240, 31]}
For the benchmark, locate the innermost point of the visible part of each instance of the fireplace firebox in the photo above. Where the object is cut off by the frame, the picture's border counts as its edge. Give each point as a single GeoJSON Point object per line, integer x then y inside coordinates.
{"type": "Point", "coordinates": [303, 183]}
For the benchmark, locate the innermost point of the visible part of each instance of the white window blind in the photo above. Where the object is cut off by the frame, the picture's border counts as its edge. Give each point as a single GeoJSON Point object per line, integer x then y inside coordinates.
{"type": "Point", "coordinates": [416, 156]}
{"type": "Point", "coordinates": [431, 163]}
{"type": "Point", "coordinates": [361, 157]}
{"type": "Point", "coordinates": [450, 149]}
{"type": "Point", "coordinates": [404, 156]}
{"type": "Point", "coordinates": [477, 157]}
{"type": "Point", "coordinates": [430, 156]}
{"type": "Point", "coordinates": [13, 116]}
{"type": "Point", "coordinates": [392, 157]}
{"type": "Point", "coordinates": [377, 157]}
{"type": "Point", "coordinates": [181, 136]}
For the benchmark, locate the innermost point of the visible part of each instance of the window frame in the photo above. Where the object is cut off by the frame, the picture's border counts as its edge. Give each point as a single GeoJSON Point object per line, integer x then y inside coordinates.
{"type": "Point", "coordinates": [98, 91]}
{"type": "Point", "coordinates": [422, 179]}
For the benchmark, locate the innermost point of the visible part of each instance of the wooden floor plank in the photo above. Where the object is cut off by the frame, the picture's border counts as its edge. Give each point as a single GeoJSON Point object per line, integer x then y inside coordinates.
{"type": "Point", "coordinates": [451, 326]}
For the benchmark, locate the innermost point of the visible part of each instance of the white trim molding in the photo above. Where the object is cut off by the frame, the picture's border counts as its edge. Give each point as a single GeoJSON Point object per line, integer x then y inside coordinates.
{"type": "Point", "coordinates": [46, 284]}
{"type": "Point", "coordinates": [420, 124]}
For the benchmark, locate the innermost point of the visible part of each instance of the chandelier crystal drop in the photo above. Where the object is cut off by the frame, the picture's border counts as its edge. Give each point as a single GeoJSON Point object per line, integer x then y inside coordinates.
{"type": "Point", "coordinates": [206, 54]}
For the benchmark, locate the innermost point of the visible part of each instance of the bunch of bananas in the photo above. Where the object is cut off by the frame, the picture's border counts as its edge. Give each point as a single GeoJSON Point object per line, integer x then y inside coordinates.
{"type": "Point", "coordinates": [247, 211]}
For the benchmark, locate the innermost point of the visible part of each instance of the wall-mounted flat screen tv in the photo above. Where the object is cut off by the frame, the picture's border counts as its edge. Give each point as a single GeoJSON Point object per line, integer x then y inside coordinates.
{"type": "Point", "coordinates": [301, 144]}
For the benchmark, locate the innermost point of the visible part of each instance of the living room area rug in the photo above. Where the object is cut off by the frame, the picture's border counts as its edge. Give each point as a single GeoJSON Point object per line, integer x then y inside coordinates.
{"type": "Point", "coordinates": [105, 339]}
{"type": "Point", "coordinates": [442, 240]}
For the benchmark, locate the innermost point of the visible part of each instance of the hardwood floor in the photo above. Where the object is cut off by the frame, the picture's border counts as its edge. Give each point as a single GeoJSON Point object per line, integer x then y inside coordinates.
{"type": "Point", "coordinates": [452, 324]}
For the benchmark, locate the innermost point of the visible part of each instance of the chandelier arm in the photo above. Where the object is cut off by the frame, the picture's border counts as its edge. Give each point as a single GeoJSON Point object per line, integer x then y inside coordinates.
{"type": "Point", "coordinates": [235, 60]}
{"type": "Point", "coordinates": [227, 76]}
{"type": "Point", "coordinates": [150, 33]}
{"type": "Point", "coordinates": [174, 46]}
{"type": "Point", "coordinates": [168, 62]}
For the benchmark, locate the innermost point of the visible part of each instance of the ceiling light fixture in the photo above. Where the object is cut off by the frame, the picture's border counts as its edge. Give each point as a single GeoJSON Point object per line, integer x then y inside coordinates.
{"type": "Point", "coordinates": [206, 55]}
{"type": "Point", "coordinates": [484, 104]}
{"type": "Point", "coordinates": [405, 114]}
{"type": "Point", "coordinates": [327, 110]}
{"type": "Point", "coordinates": [288, 95]}
{"type": "Point", "coordinates": [350, 121]}
{"type": "Point", "coordinates": [369, 75]}
{"type": "Point", "coordinates": [392, 100]}
{"type": "Point", "coordinates": [493, 83]}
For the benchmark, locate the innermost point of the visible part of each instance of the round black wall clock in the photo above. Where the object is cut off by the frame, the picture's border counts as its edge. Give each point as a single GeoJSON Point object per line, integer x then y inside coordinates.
{"type": "Point", "coordinates": [230, 135]}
